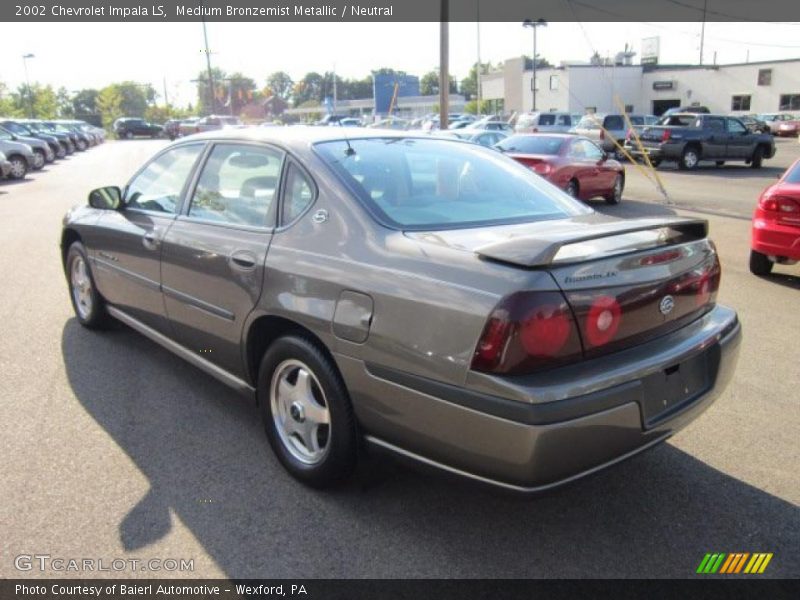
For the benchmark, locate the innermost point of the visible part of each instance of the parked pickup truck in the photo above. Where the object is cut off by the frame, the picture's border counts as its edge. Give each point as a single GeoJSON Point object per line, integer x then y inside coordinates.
{"type": "Point", "coordinates": [691, 138]}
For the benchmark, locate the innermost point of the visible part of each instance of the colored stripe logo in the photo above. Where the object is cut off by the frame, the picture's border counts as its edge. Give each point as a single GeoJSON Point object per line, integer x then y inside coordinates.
{"type": "Point", "coordinates": [734, 563]}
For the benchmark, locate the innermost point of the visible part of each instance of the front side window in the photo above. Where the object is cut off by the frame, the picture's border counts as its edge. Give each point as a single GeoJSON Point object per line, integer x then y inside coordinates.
{"type": "Point", "coordinates": [237, 185]}
{"type": "Point", "coordinates": [424, 184]}
{"type": "Point", "coordinates": [735, 126]}
{"type": "Point", "coordinates": [158, 186]}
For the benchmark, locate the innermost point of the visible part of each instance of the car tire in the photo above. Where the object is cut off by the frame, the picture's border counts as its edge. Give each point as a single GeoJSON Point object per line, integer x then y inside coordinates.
{"type": "Point", "coordinates": [39, 159]}
{"type": "Point", "coordinates": [615, 197]}
{"type": "Point", "coordinates": [573, 189]}
{"type": "Point", "coordinates": [88, 304]}
{"type": "Point", "coordinates": [19, 167]}
{"type": "Point", "coordinates": [296, 380]}
{"type": "Point", "coordinates": [760, 264]}
{"type": "Point", "coordinates": [720, 163]}
{"type": "Point", "coordinates": [82, 145]}
{"type": "Point", "coordinates": [61, 153]}
{"type": "Point", "coordinates": [128, 135]}
{"type": "Point", "coordinates": [690, 157]}
{"type": "Point", "coordinates": [758, 158]}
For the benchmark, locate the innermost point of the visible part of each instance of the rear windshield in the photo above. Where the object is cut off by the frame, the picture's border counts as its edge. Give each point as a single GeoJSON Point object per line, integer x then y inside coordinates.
{"type": "Point", "coordinates": [793, 175]}
{"type": "Point", "coordinates": [532, 144]}
{"type": "Point", "coordinates": [421, 184]}
{"type": "Point", "coordinates": [614, 122]}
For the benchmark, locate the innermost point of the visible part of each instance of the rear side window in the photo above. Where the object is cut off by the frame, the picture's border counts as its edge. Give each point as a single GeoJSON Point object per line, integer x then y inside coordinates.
{"type": "Point", "coordinates": [298, 194]}
{"type": "Point", "coordinates": [547, 120]}
{"type": "Point", "coordinates": [237, 185]}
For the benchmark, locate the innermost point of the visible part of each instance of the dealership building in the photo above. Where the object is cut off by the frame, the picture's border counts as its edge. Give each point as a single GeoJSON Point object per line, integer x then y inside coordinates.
{"type": "Point", "coordinates": [755, 87]}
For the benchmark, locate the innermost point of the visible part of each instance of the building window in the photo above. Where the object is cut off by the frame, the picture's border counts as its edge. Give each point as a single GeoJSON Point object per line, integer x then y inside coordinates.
{"type": "Point", "coordinates": [740, 103]}
{"type": "Point", "coordinates": [553, 82]}
{"type": "Point", "coordinates": [765, 77]}
{"type": "Point", "coordinates": [789, 102]}
{"type": "Point", "coordinates": [628, 108]}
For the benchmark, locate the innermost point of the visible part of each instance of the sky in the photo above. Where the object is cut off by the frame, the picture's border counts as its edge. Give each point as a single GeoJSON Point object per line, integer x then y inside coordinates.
{"type": "Point", "coordinates": [97, 54]}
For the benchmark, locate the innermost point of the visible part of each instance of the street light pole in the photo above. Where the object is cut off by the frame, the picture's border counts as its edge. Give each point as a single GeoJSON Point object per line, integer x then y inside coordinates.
{"type": "Point", "coordinates": [533, 25]}
{"type": "Point", "coordinates": [25, 58]}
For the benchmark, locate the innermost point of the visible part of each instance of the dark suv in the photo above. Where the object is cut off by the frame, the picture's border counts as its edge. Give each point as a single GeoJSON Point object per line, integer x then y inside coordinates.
{"type": "Point", "coordinates": [128, 128]}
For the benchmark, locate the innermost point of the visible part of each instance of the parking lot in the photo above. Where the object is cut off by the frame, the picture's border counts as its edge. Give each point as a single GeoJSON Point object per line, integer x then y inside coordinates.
{"type": "Point", "coordinates": [115, 448]}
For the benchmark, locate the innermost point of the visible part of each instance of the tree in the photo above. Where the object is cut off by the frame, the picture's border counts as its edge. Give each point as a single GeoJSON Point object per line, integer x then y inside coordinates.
{"type": "Point", "coordinates": [281, 84]}
{"type": "Point", "coordinates": [84, 104]}
{"type": "Point", "coordinates": [469, 85]}
{"type": "Point", "coordinates": [125, 99]}
{"type": "Point", "coordinates": [471, 107]}
{"type": "Point", "coordinates": [64, 102]}
{"type": "Point", "coordinates": [310, 87]}
{"type": "Point", "coordinates": [208, 104]}
{"type": "Point", "coordinates": [429, 84]}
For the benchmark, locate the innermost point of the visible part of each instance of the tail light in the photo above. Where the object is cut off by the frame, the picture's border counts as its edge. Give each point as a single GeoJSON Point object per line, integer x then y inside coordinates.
{"type": "Point", "coordinates": [780, 205]}
{"type": "Point", "coordinates": [602, 134]}
{"type": "Point", "coordinates": [542, 168]}
{"type": "Point", "coordinates": [526, 332]}
{"type": "Point", "coordinates": [628, 136]}
{"type": "Point", "coordinates": [666, 135]}
{"type": "Point", "coordinates": [531, 331]}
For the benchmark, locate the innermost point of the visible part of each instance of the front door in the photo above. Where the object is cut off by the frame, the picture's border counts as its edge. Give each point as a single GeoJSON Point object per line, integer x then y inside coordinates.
{"type": "Point", "coordinates": [740, 140]}
{"type": "Point", "coordinates": [127, 249]}
{"type": "Point", "coordinates": [213, 257]}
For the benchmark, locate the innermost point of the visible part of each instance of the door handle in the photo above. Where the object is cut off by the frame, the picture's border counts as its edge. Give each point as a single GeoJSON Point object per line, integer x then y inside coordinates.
{"type": "Point", "coordinates": [242, 260]}
{"type": "Point", "coordinates": [150, 240]}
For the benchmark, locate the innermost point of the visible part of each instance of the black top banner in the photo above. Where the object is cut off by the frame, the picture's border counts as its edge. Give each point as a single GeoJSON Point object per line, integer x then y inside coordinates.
{"type": "Point", "coordinates": [400, 10]}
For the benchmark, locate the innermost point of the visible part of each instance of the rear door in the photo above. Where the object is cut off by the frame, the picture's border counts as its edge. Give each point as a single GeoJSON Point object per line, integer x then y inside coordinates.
{"type": "Point", "coordinates": [717, 138]}
{"type": "Point", "coordinates": [212, 266]}
{"type": "Point", "coordinates": [126, 252]}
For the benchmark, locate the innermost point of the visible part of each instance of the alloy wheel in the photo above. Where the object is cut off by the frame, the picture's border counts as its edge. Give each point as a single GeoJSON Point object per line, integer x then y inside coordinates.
{"type": "Point", "coordinates": [18, 168]}
{"type": "Point", "coordinates": [81, 287]}
{"type": "Point", "coordinates": [300, 411]}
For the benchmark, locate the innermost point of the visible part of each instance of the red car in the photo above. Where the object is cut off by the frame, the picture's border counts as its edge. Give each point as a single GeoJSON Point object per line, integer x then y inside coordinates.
{"type": "Point", "coordinates": [788, 128]}
{"type": "Point", "coordinates": [776, 224]}
{"type": "Point", "coordinates": [575, 164]}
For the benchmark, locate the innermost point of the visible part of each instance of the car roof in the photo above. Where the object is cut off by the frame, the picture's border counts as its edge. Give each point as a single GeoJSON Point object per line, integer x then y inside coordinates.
{"type": "Point", "coordinates": [303, 135]}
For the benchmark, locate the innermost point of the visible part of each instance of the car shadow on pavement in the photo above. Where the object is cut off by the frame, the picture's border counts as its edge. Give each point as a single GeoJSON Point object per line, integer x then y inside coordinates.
{"type": "Point", "coordinates": [632, 209]}
{"type": "Point", "coordinates": [204, 453]}
{"type": "Point", "coordinates": [784, 279]}
{"type": "Point", "coordinates": [732, 171]}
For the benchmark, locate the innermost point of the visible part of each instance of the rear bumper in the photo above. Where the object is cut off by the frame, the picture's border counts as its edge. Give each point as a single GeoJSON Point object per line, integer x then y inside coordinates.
{"type": "Point", "coordinates": [576, 420]}
{"type": "Point", "coordinates": [652, 152]}
{"type": "Point", "coordinates": [774, 239]}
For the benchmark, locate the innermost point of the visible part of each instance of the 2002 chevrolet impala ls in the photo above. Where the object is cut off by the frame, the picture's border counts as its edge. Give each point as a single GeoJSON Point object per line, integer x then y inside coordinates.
{"type": "Point", "coordinates": [428, 296]}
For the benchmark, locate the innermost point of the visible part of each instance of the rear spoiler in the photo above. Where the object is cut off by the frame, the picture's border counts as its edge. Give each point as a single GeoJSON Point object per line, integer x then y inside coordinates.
{"type": "Point", "coordinates": [598, 241]}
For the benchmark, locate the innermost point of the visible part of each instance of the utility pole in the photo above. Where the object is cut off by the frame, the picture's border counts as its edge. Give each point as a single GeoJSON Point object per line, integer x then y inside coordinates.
{"type": "Point", "coordinates": [533, 25]}
{"type": "Point", "coordinates": [212, 96]}
{"type": "Point", "coordinates": [480, 67]}
{"type": "Point", "coordinates": [444, 67]}
{"type": "Point", "coordinates": [703, 31]}
{"type": "Point", "coordinates": [25, 58]}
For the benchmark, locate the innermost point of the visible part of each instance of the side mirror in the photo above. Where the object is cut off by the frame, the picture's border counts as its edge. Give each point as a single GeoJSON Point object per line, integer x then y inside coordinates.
{"type": "Point", "coordinates": [106, 198]}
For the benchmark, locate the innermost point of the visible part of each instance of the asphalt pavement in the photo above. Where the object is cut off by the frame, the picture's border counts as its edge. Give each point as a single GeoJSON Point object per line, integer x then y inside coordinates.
{"type": "Point", "coordinates": [114, 448]}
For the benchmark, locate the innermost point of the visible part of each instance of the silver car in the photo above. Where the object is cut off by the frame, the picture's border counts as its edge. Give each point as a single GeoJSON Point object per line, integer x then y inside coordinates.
{"type": "Point", "coordinates": [545, 122]}
{"type": "Point", "coordinates": [21, 156]}
{"type": "Point", "coordinates": [427, 296]}
{"type": "Point", "coordinates": [42, 153]}
{"type": "Point", "coordinates": [5, 166]}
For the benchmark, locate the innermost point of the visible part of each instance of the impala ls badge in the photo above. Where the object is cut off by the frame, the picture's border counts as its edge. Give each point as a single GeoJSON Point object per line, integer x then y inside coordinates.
{"type": "Point", "coordinates": [666, 305]}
